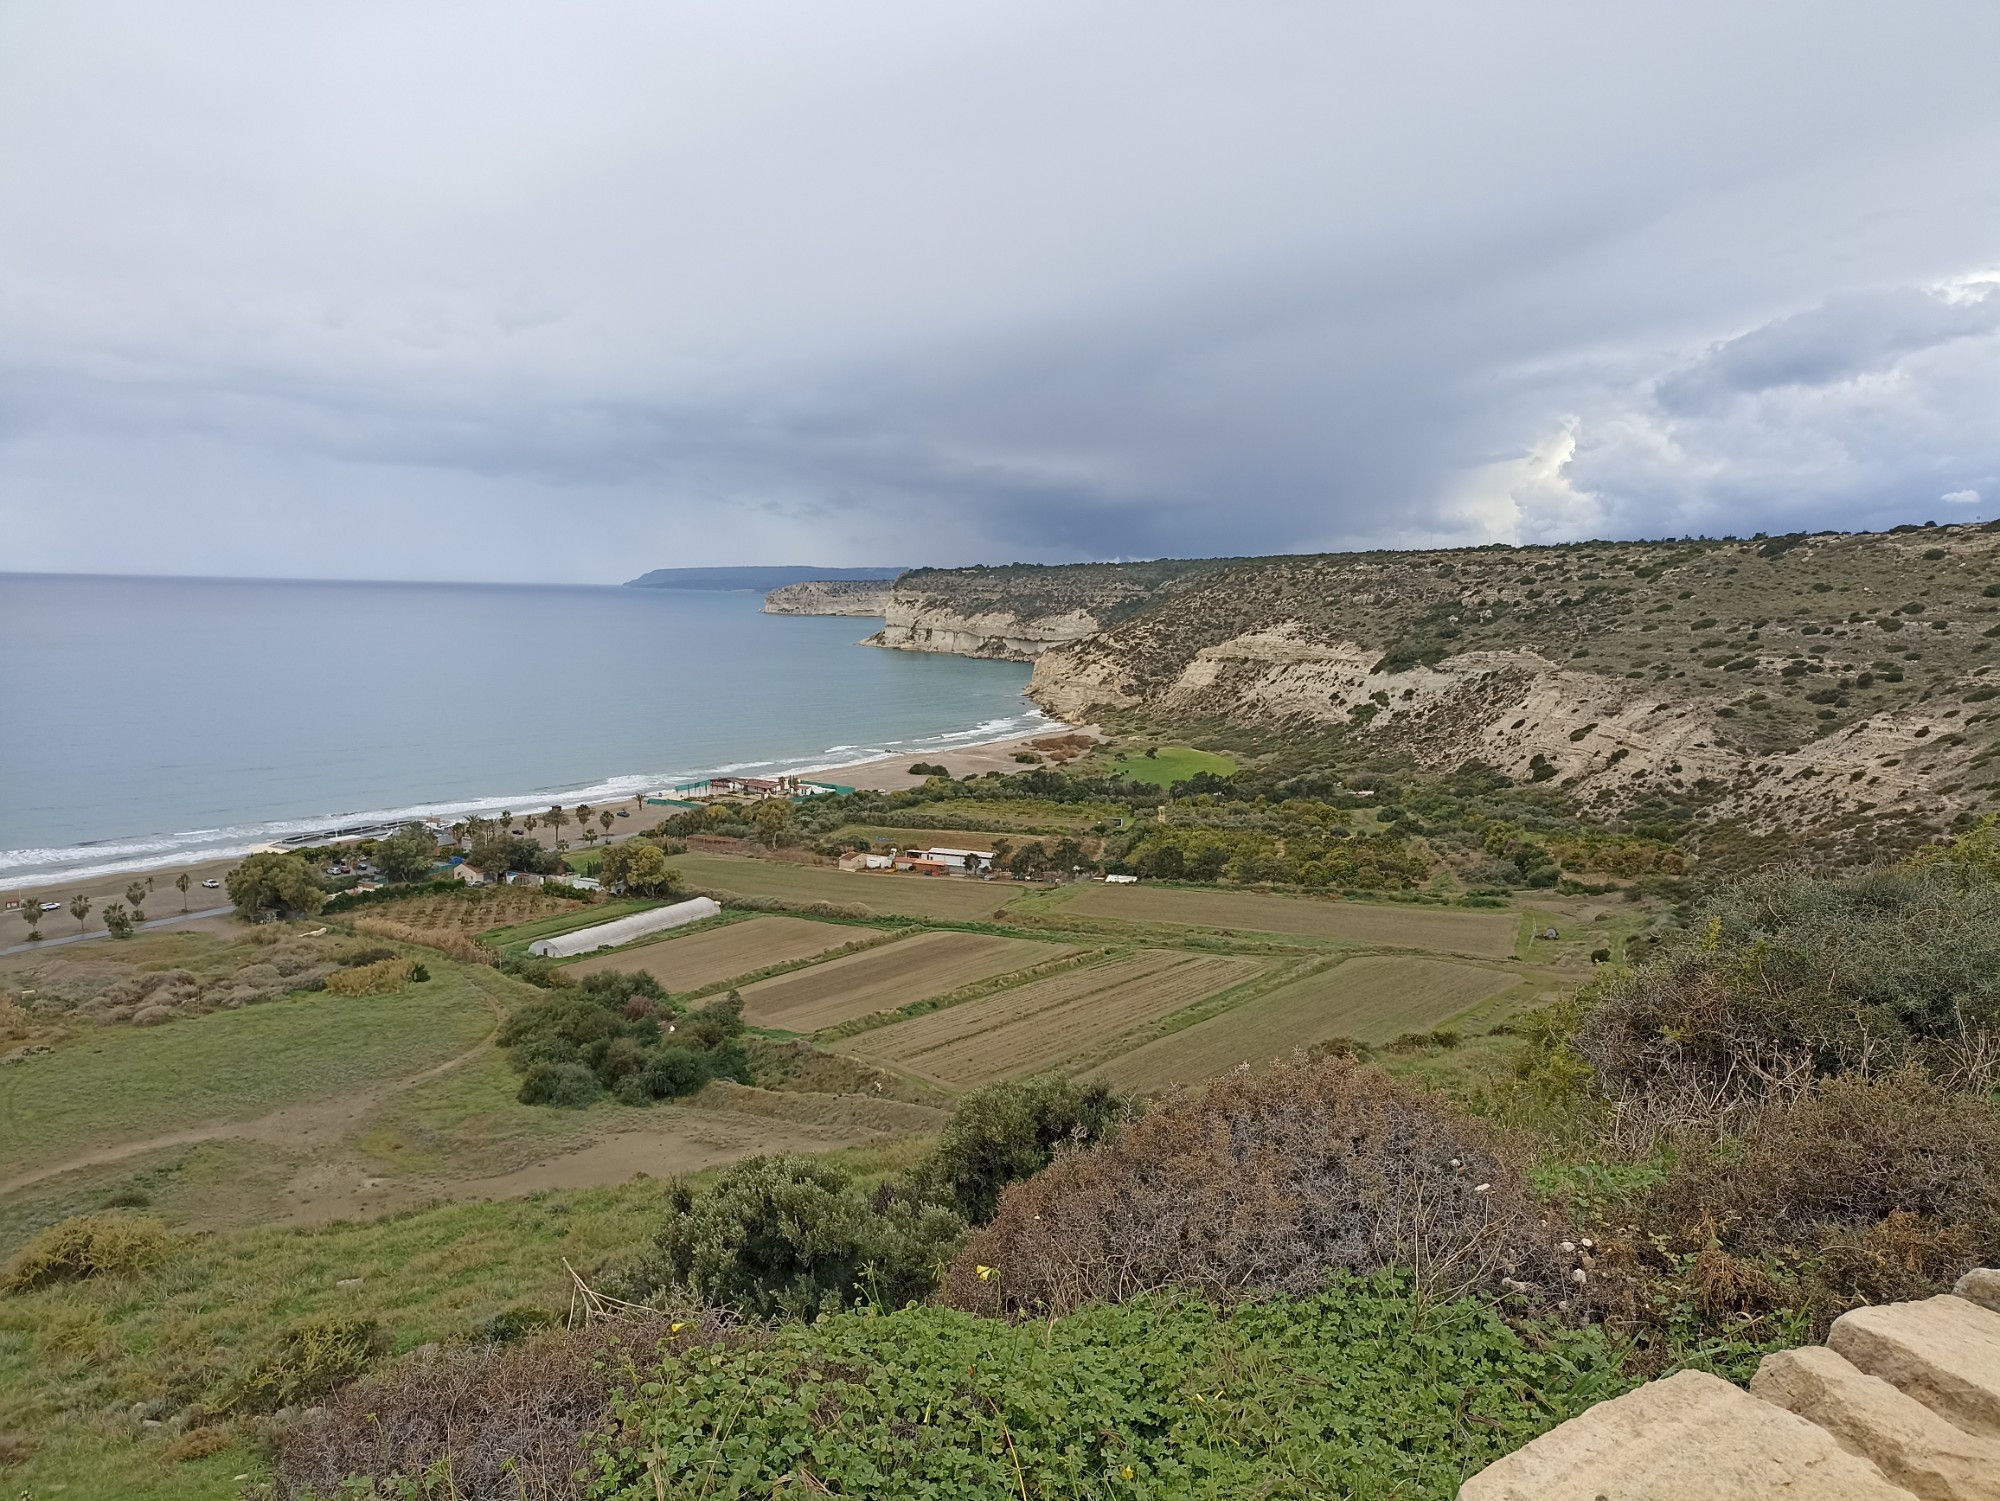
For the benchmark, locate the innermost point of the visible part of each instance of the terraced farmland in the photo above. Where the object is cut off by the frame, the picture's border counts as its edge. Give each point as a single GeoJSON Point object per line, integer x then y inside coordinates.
{"type": "Point", "coordinates": [1484, 935]}
{"type": "Point", "coordinates": [881, 979]}
{"type": "Point", "coordinates": [946, 898]}
{"type": "Point", "coordinates": [1047, 1022]}
{"type": "Point", "coordinates": [1375, 999]}
{"type": "Point", "coordinates": [718, 954]}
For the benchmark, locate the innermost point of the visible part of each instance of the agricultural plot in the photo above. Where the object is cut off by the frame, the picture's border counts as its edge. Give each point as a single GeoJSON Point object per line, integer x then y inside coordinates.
{"type": "Point", "coordinates": [882, 979]}
{"type": "Point", "coordinates": [476, 909]}
{"type": "Point", "coordinates": [1483, 935]}
{"type": "Point", "coordinates": [945, 898]}
{"type": "Point", "coordinates": [1373, 999]}
{"type": "Point", "coordinates": [1045, 1023]}
{"type": "Point", "coordinates": [718, 954]}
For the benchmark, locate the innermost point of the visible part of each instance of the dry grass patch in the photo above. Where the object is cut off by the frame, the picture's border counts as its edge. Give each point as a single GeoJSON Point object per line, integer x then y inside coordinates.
{"type": "Point", "coordinates": [1371, 999]}
{"type": "Point", "coordinates": [474, 910]}
{"type": "Point", "coordinates": [885, 978]}
{"type": "Point", "coordinates": [718, 954]}
{"type": "Point", "coordinates": [1049, 1021]}
{"type": "Point", "coordinates": [1485, 935]}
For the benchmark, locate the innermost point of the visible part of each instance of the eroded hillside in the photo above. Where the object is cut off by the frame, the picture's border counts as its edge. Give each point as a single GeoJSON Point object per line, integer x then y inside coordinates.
{"type": "Point", "coordinates": [1789, 682]}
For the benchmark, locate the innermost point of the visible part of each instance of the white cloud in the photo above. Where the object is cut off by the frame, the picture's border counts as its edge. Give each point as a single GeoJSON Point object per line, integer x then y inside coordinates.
{"type": "Point", "coordinates": [1960, 497]}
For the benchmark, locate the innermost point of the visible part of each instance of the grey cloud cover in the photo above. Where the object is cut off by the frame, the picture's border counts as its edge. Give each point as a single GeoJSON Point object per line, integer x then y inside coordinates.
{"type": "Point", "coordinates": [508, 290]}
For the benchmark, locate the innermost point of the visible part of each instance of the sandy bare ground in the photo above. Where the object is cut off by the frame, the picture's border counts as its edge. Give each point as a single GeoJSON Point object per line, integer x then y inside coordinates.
{"type": "Point", "coordinates": [892, 773]}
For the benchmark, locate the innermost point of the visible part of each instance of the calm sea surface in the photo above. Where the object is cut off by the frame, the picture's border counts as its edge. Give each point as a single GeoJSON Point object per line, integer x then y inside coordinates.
{"type": "Point", "coordinates": [145, 721]}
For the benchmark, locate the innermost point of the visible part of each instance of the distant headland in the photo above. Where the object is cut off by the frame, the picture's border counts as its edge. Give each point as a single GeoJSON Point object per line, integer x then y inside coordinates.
{"type": "Point", "coordinates": [763, 580]}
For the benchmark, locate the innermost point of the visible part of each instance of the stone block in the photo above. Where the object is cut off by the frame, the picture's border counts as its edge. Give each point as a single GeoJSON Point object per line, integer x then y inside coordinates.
{"type": "Point", "coordinates": [1943, 1351]}
{"type": "Point", "coordinates": [1981, 1286]}
{"type": "Point", "coordinates": [1906, 1441]}
{"type": "Point", "coordinates": [1691, 1437]}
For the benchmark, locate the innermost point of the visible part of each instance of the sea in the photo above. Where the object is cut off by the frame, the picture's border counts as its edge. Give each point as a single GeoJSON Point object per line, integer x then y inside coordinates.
{"type": "Point", "coordinates": [147, 722]}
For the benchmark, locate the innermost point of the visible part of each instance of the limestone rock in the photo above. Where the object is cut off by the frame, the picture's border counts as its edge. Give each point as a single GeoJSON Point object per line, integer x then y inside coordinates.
{"type": "Point", "coordinates": [1982, 1287]}
{"type": "Point", "coordinates": [1907, 1442]}
{"type": "Point", "coordinates": [1691, 1437]}
{"type": "Point", "coordinates": [1943, 1351]}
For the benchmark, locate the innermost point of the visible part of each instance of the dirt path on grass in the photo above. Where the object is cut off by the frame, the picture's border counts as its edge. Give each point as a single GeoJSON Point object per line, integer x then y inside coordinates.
{"type": "Point", "coordinates": [313, 1124]}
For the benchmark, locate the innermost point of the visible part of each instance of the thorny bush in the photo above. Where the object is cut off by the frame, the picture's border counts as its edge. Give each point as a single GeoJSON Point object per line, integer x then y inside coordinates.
{"type": "Point", "coordinates": [1267, 1183]}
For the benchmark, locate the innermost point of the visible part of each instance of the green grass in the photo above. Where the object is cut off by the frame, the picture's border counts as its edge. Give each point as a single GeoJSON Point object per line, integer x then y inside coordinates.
{"type": "Point", "coordinates": [221, 1300]}
{"type": "Point", "coordinates": [112, 1084]}
{"type": "Point", "coordinates": [1173, 763]}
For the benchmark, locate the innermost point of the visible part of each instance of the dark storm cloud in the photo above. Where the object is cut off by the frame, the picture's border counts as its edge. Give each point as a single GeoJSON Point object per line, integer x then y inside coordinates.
{"type": "Point", "coordinates": [370, 288]}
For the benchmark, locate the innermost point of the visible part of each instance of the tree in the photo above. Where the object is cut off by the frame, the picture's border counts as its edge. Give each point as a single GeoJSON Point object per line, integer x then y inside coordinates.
{"type": "Point", "coordinates": [531, 823]}
{"type": "Point", "coordinates": [274, 882]}
{"type": "Point", "coordinates": [117, 921]}
{"type": "Point", "coordinates": [605, 818]}
{"type": "Point", "coordinates": [31, 914]}
{"type": "Point", "coordinates": [640, 868]}
{"type": "Point", "coordinates": [79, 908]}
{"type": "Point", "coordinates": [556, 818]}
{"type": "Point", "coordinates": [773, 817]}
{"type": "Point", "coordinates": [499, 853]}
{"type": "Point", "coordinates": [136, 895]}
{"type": "Point", "coordinates": [181, 883]}
{"type": "Point", "coordinates": [406, 855]}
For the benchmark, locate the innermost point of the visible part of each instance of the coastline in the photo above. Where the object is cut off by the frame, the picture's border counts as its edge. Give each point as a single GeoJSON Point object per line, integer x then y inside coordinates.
{"type": "Point", "coordinates": [875, 773]}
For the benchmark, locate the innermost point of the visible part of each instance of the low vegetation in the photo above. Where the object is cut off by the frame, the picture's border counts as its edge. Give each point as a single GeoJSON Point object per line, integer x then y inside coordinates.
{"type": "Point", "coordinates": [621, 1033]}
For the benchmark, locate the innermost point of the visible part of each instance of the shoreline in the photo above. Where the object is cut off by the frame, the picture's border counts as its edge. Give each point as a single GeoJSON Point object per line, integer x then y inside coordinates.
{"type": "Point", "coordinates": [873, 774]}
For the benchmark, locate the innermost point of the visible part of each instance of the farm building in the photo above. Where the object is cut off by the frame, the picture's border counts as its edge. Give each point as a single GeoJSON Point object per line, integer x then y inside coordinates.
{"type": "Point", "coordinates": [943, 861]}
{"type": "Point", "coordinates": [608, 935]}
{"type": "Point", "coordinates": [862, 860]}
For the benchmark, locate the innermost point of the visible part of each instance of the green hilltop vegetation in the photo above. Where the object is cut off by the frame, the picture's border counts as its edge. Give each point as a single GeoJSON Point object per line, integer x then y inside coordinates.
{"type": "Point", "coordinates": [893, 1186]}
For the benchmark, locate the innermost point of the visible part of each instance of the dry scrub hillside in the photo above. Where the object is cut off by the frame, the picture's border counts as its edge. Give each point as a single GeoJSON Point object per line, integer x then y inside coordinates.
{"type": "Point", "coordinates": [1789, 682]}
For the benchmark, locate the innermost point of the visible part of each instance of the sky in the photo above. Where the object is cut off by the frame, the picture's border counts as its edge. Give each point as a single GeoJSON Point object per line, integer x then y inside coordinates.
{"type": "Point", "coordinates": [563, 292]}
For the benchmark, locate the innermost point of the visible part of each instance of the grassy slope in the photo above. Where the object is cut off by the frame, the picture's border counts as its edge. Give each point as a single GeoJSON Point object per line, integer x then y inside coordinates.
{"type": "Point", "coordinates": [1174, 763]}
{"type": "Point", "coordinates": [114, 1083]}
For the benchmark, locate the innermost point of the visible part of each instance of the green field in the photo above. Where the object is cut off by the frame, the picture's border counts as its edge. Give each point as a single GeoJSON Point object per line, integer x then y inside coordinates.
{"type": "Point", "coordinates": [1373, 999]}
{"type": "Point", "coordinates": [948, 898]}
{"type": "Point", "coordinates": [112, 1084]}
{"type": "Point", "coordinates": [1485, 935]}
{"type": "Point", "coordinates": [1174, 763]}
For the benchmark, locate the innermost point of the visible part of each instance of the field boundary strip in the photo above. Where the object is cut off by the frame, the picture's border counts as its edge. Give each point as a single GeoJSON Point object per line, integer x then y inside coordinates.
{"type": "Point", "coordinates": [977, 990]}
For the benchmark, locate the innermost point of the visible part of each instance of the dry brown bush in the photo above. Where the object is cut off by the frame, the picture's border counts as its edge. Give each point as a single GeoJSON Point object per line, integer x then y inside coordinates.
{"type": "Point", "coordinates": [1266, 1183]}
{"type": "Point", "coordinates": [85, 1246]}
{"type": "Point", "coordinates": [505, 1422]}
{"type": "Point", "coordinates": [382, 977]}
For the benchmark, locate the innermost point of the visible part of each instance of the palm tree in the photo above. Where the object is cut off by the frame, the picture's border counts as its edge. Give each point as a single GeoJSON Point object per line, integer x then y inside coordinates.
{"type": "Point", "coordinates": [555, 819]}
{"type": "Point", "coordinates": [531, 823]}
{"type": "Point", "coordinates": [79, 908]}
{"type": "Point", "coordinates": [136, 895]}
{"type": "Point", "coordinates": [31, 914]}
{"type": "Point", "coordinates": [605, 818]}
{"type": "Point", "coordinates": [183, 881]}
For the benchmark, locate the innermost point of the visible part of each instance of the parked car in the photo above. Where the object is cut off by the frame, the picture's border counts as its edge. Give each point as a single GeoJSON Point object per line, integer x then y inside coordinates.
{"type": "Point", "coordinates": [52, 906]}
{"type": "Point", "coordinates": [624, 812]}
{"type": "Point", "coordinates": [211, 884]}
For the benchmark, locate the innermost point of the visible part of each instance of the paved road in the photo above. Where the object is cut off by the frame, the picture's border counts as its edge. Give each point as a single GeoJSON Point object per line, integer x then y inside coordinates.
{"type": "Point", "coordinates": [151, 922]}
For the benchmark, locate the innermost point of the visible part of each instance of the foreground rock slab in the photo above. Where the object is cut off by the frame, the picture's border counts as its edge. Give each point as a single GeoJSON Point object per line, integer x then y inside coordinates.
{"type": "Point", "coordinates": [1691, 1437]}
{"type": "Point", "coordinates": [1945, 1352]}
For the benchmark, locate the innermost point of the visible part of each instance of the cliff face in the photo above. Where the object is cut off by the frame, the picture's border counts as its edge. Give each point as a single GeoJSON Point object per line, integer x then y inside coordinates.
{"type": "Point", "coordinates": [1799, 682]}
{"type": "Point", "coordinates": [831, 597]}
{"type": "Point", "coordinates": [1022, 610]}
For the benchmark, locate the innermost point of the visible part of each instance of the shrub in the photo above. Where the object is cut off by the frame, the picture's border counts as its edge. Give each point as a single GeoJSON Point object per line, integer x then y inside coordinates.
{"type": "Point", "coordinates": [457, 945]}
{"type": "Point", "coordinates": [382, 977]}
{"type": "Point", "coordinates": [278, 883]}
{"type": "Point", "coordinates": [1007, 1132]}
{"type": "Point", "coordinates": [88, 1245]}
{"type": "Point", "coordinates": [791, 1235]}
{"type": "Point", "coordinates": [569, 1085]}
{"type": "Point", "coordinates": [503, 1420]}
{"type": "Point", "coordinates": [308, 1361]}
{"type": "Point", "coordinates": [1264, 1183]}
{"type": "Point", "coordinates": [1784, 977]}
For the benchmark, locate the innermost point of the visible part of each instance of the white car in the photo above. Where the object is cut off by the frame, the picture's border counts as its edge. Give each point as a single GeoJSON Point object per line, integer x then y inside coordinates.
{"type": "Point", "coordinates": [52, 906]}
{"type": "Point", "coordinates": [211, 884]}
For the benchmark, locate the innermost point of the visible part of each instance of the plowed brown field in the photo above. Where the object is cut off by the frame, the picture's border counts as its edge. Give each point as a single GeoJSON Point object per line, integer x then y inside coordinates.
{"type": "Point", "coordinates": [1375, 998]}
{"type": "Point", "coordinates": [912, 969]}
{"type": "Point", "coordinates": [1046, 1022]}
{"type": "Point", "coordinates": [947, 898]}
{"type": "Point", "coordinates": [1484, 935]}
{"type": "Point", "coordinates": [723, 953]}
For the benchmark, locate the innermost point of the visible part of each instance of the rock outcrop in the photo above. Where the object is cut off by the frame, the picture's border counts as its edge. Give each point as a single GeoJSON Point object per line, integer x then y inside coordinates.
{"type": "Point", "coordinates": [1903, 1402]}
{"type": "Point", "coordinates": [831, 597]}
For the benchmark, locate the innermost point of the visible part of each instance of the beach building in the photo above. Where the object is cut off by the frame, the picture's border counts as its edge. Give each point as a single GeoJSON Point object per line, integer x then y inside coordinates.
{"type": "Point", "coordinates": [755, 789]}
{"type": "Point", "coordinates": [608, 935]}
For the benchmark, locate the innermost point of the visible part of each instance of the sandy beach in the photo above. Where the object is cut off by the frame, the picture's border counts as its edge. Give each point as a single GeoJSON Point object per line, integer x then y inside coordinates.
{"type": "Point", "coordinates": [886, 774]}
